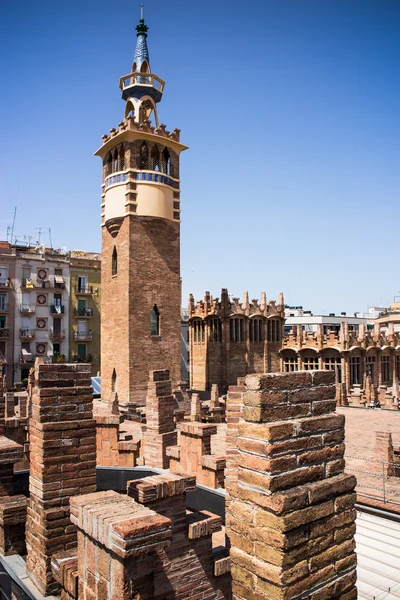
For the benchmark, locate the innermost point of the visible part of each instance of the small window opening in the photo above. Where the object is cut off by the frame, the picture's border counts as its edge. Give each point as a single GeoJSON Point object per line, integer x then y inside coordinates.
{"type": "Point", "coordinates": [114, 381]}
{"type": "Point", "coordinates": [114, 268]}
{"type": "Point", "coordinates": [144, 155]}
{"type": "Point", "coordinates": [115, 161]}
{"type": "Point", "coordinates": [122, 159]}
{"type": "Point", "coordinates": [155, 158]}
{"type": "Point", "coordinates": [155, 321]}
{"type": "Point", "coordinates": [167, 161]}
{"type": "Point", "coordinates": [108, 164]}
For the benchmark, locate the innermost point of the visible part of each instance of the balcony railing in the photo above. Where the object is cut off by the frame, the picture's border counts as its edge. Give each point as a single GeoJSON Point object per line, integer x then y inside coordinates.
{"type": "Point", "coordinates": [26, 334]}
{"type": "Point", "coordinates": [27, 309]}
{"type": "Point", "coordinates": [39, 284]}
{"type": "Point", "coordinates": [4, 283]}
{"type": "Point", "coordinates": [3, 307]}
{"type": "Point", "coordinates": [83, 290]}
{"type": "Point", "coordinates": [4, 332]}
{"type": "Point", "coordinates": [27, 359]}
{"type": "Point", "coordinates": [83, 335]}
{"type": "Point", "coordinates": [83, 312]}
{"type": "Point", "coordinates": [57, 335]}
{"type": "Point", "coordinates": [147, 79]}
{"type": "Point", "coordinates": [56, 309]}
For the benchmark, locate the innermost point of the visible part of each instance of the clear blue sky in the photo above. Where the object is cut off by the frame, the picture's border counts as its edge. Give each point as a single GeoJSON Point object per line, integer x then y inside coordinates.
{"type": "Point", "coordinates": [291, 112]}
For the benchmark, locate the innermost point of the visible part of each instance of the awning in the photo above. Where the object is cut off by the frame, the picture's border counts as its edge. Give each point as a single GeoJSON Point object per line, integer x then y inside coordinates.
{"type": "Point", "coordinates": [58, 278]}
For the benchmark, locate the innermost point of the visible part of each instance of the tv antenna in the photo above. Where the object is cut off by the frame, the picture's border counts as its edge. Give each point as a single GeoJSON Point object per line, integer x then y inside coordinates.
{"type": "Point", "coordinates": [39, 233]}
{"type": "Point", "coordinates": [51, 243]}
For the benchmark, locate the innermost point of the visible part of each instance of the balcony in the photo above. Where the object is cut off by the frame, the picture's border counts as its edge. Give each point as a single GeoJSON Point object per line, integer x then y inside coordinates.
{"type": "Point", "coordinates": [26, 334]}
{"type": "Point", "coordinates": [56, 309]}
{"type": "Point", "coordinates": [83, 312]}
{"type": "Point", "coordinates": [83, 336]}
{"type": "Point", "coordinates": [57, 335]}
{"type": "Point", "coordinates": [27, 309]}
{"type": "Point", "coordinates": [4, 332]}
{"type": "Point", "coordinates": [26, 358]}
{"type": "Point", "coordinates": [3, 307]}
{"type": "Point", "coordinates": [154, 85]}
{"type": "Point", "coordinates": [5, 283]}
{"type": "Point", "coordinates": [81, 290]}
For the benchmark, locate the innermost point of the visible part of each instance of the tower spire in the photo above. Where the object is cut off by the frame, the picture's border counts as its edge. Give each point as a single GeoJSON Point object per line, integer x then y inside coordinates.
{"type": "Point", "coordinates": [141, 59]}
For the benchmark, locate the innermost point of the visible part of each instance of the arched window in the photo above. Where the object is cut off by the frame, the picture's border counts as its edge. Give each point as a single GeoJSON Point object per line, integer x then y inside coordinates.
{"type": "Point", "coordinates": [144, 155]}
{"type": "Point", "coordinates": [114, 381]}
{"type": "Point", "coordinates": [155, 158]}
{"type": "Point", "coordinates": [115, 160]}
{"type": "Point", "coordinates": [144, 68]}
{"type": "Point", "coordinates": [114, 265]}
{"type": "Point", "coordinates": [108, 162]}
{"type": "Point", "coordinates": [155, 321]}
{"type": "Point", "coordinates": [122, 159]}
{"type": "Point", "coordinates": [167, 161]}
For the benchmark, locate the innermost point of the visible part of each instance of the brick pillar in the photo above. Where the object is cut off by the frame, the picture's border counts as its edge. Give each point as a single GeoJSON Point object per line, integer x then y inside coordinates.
{"type": "Point", "coordinates": [107, 437]}
{"type": "Point", "coordinates": [384, 451]}
{"type": "Point", "coordinates": [12, 507]}
{"type": "Point", "coordinates": [234, 415]}
{"type": "Point", "coordinates": [10, 410]}
{"type": "Point", "coordinates": [292, 511]}
{"type": "Point", "coordinates": [159, 432]}
{"type": "Point", "coordinates": [63, 463]}
{"type": "Point", "coordinates": [118, 545]}
{"type": "Point", "coordinates": [195, 408]}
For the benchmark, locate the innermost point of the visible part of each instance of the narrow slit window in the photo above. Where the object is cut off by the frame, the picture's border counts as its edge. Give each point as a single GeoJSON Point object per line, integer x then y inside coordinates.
{"type": "Point", "coordinates": [114, 381]}
{"type": "Point", "coordinates": [114, 268]}
{"type": "Point", "coordinates": [155, 321]}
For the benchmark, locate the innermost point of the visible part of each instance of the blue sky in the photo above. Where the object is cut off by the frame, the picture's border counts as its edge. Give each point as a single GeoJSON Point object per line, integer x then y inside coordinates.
{"type": "Point", "coordinates": [291, 112]}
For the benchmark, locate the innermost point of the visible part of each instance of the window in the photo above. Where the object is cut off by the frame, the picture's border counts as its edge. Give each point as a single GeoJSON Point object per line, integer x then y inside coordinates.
{"type": "Point", "coordinates": [167, 161]}
{"type": "Point", "coordinates": [237, 330]}
{"type": "Point", "coordinates": [114, 381]}
{"type": "Point", "coordinates": [122, 159]}
{"type": "Point", "coordinates": [2, 351]}
{"type": "Point", "coordinates": [2, 322]}
{"type": "Point", "coordinates": [81, 351]}
{"type": "Point", "coordinates": [114, 262]}
{"type": "Point", "coordinates": [198, 331]}
{"type": "Point", "coordinates": [370, 367]}
{"type": "Point", "coordinates": [155, 158]}
{"type": "Point", "coordinates": [290, 364]}
{"type": "Point", "coordinates": [397, 366]}
{"type": "Point", "coordinates": [155, 321]}
{"type": "Point", "coordinates": [115, 161]}
{"type": "Point", "coordinates": [310, 363]}
{"type": "Point", "coordinates": [56, 348]}
{"type": "Point", "coordinates": [144, 155]}
{"type": "Point", "coordinates": [334, 364]}
{"type": "Point", "coordinates": [274, 330]}
{"type": "Point", "coordinates": [3, 275]}
{"type": "Point", "coordinates": [82, 283]}
{"type": "Point", "coordinates": [256, 330]}
{"type": "Point", "coordinates": [354, 370]}
{"type": "Point", "coordinates": [3, 302]}
{"type": "Point", "coordinates": [214, 330]}
{"type": "Point", "coordinates": [385, 369]}
{"type": "Point", "coordinates": [108, 163]}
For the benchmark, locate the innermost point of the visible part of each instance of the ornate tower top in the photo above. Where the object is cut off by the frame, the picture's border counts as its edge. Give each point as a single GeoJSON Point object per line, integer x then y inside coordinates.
{"type": "Point", "coordinates": [141, 89]}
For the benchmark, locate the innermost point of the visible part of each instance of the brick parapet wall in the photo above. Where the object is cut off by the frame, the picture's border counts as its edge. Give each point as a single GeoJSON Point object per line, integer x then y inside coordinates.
{"type": "Point", "coordinates": [234, 416]}
{"type": "Point", "coordinates": [63, 462]}
{"type": "Point", "coordinates": [291, 514]}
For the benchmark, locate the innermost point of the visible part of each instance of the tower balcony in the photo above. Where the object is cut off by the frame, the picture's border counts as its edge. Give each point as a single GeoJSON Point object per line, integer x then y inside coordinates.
{"type": "Point", "coordinates": [141, 84]}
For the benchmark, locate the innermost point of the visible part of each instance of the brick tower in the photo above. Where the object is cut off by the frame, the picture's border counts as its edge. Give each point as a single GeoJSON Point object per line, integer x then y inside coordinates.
{"type": "Point", "coordinates": [141, 289]}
